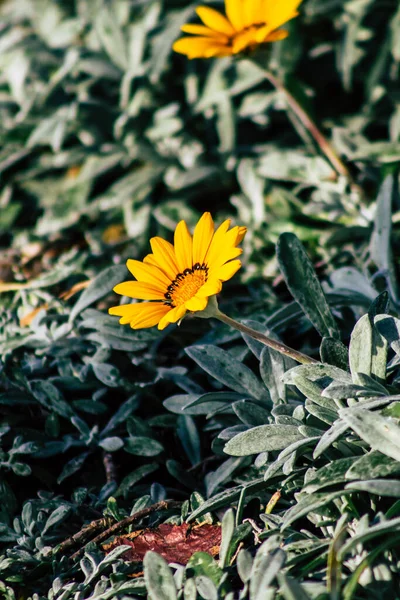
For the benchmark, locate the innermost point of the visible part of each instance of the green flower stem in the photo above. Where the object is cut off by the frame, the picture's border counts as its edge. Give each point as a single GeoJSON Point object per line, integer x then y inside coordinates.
{"type": "Point", "coordinates": [323, 144]}
{"type": "Point", "coordinates": [260, 337]}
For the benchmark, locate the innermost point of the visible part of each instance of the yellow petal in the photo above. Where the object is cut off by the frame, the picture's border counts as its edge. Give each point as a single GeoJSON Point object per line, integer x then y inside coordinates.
{"type": "Point", "coordinates": [227, 271]}
{"type": "Point", "coordinates": [212, 287]}
{"type": "Point", "coordinates": [244, 40]}
{"type": "Point", "coordinates": [172, 316]}
{"type": "Point", "coordinates": [216, 242]}
{"type": "Point", "coordinates": [233, 9]}
{"type": "Point", "coordinates": [262, 34]}
{"type": "Point", "coordinates": [214, 20]}
{"type": "Point", "coordinates": [183, 244]}
{"type": "Point", "coordinates": [220, 245]}
{"type": "Point", "coordinates": [151, 314]}
{"type": "Point", "coordinates": [225, 256]}
{"type": "Point", "coordinates": [223, 247]}
{"type": "Point", "coordinates": [138, 290]}
{"type": "Point", "coordinates": [218, 51]}
{"type": "Point", "coordinates": [126, 311]}
{"type": "Point", "coordinates": [204, 32]}
{"type": "Point", "coordinates": [150, 260]}
{"type": "Point", "coordinates": [143, 312]}
{"type": "Point", "coordinates": [241, 233]}
{"type": "Point", "coordinates": [277, 35]}
{"type": "Point", "coordinates": [149, 274]}
{"type": "Point", "coordinates": [200, 47]}
{"type": "Point", "coordinates": [276, 14]}
{"type": "Point", "coordinates": [164, 255]}
{"type": "Point", "coordinates": [223, 228]}
{"type": "Point", "coordinates": [252, 12]}
{"type": "Point", "coordinates": [196, 304]}
{"type": "Point", "coordinates": [202, 237]}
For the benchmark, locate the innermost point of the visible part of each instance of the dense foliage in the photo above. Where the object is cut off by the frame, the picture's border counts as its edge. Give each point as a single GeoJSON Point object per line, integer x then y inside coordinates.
{"type": "Point", "coordinates": [107, 138]}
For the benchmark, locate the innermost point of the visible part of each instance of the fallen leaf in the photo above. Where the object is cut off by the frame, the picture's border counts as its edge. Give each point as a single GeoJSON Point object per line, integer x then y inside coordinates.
{"type": "Point", "coordinates": [175, 543]}
{"type": "Point", "coordinates": [113, 234]}
{"type": "Point", "coordinates": [27, 319]}
{"type": "Point", "coordinates": [78, 287]}
{"type": "Point", "coordinates": [73, 172]}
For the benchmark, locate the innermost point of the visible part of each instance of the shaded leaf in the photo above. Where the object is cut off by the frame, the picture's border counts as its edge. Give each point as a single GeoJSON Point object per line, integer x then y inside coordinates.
{"type": "Point", "coordinates": [226, 369]}
{"type": "Point", "coordinates": [303, 284]}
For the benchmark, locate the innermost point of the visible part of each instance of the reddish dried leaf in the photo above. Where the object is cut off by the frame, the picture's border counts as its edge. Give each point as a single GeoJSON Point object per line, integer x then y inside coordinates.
{"type": "Point", "coordinates": [175, 543]}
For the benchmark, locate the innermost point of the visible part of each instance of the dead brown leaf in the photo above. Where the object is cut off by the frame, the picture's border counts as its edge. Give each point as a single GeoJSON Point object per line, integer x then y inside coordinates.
{"type": "Point", "coordinates": [78, 287]}
{"type": "Point", "coordinates": [175, 543]}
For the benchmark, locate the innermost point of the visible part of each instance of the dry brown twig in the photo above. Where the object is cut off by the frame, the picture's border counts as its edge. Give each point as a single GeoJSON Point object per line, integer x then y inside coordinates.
{"type": "Point", "coordinates": [84, 535]}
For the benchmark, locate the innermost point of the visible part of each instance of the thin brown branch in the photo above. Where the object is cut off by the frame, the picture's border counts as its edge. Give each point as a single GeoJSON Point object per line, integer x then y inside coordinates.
{"type": "Point", "coordinates": [116, 527]}
{"type": "Point", "coordinates": [109, 467]}
{"type": "Point", "coordinates": [84, 534]}
{"type": "Point", "coordinates": [321, 141]}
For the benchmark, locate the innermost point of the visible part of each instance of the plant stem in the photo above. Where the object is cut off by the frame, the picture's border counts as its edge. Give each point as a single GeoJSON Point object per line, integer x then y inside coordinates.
{"type": "Point", "coordinates": [311, 127]}
{"type": "Point", "coordinates": [260, 337]}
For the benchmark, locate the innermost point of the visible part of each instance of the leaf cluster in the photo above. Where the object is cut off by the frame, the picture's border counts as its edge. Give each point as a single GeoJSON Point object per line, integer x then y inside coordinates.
{"type": "Point", "coordinates": [106, 139]}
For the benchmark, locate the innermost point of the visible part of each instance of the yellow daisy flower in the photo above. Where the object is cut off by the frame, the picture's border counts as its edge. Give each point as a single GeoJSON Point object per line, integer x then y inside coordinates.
{"type": "Point", "coordinates": [248, 23]}
{"type": "Point", "coordinates": [181, 277]}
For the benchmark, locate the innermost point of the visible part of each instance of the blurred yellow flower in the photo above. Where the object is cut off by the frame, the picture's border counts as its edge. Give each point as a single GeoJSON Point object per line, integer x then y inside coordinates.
{"type": "Point", "coordinates": [181, 277]}
{"type": "Point", "coordinates": [248, 23]}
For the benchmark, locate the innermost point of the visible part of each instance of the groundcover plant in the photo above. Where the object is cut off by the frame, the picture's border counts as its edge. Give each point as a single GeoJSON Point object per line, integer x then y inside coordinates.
{"type": "Point", "coordinates": [225, 424]}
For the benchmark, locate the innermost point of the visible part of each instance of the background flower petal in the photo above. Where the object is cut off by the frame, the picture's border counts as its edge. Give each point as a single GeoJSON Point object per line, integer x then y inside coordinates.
{"type": "Point", "coordinates": [252, 12]}
{"type": "Point", "coordinates": [277, 35]}
{"type": "Point", "coordinates": [233, 9]}
{"type": "Point", "coordinates": [278, 13]}
{"type": "Point", "coordinates": [196, 47]}
{"type": "Point", "coordinates": [204, 32]}
{"type": "Point", "coordinates": [215, 20]}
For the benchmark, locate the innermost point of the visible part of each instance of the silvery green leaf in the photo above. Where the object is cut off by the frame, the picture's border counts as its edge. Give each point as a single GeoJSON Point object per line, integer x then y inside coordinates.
{"type": "Point", "coordinates": [332, 474]}
{"type": "Point", "coordinates": [379, 487]}
{"type": "Point", "coordinates": [272, 369]}
{"type": "Point", "coordinates": [266, 566]}
{"type": "Point", "coordinates": [330, 436]}
{"type": "Point", "coordinates": [373, 465]}
{"type": "Point", "coordinates": [381, 433]}
{"type": "Point", "coordinates": [158, 577]}
{"type": "Point", "coordinates": [112, 37]}
{"type": "Point", "coordinates": [389, 328]}
{"type": "Point", "coordinates": [57, 516]}
{"type": "Point", "coordinates": [227, 528]}
{"type": "Point", "coordinates": [99, 287]}
{"type": "Point", "coordinates": [262, 439]}
{"type": "Point", "coordinates": [221, 365]}
{"type": "Point", "coordinates": [303, 284]}
{"type": "Point", "coordinates": [381, 239]}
